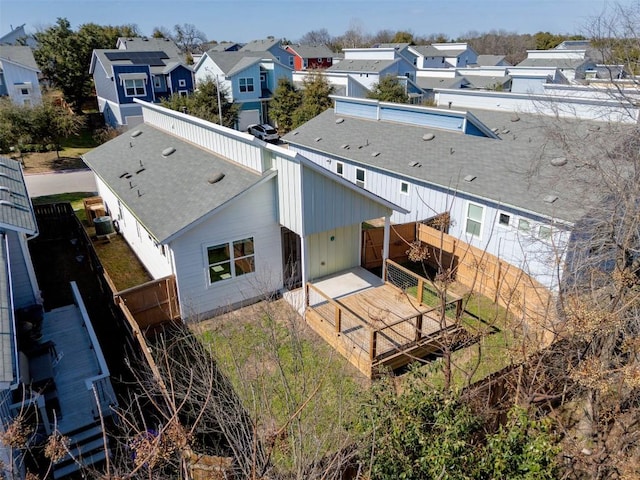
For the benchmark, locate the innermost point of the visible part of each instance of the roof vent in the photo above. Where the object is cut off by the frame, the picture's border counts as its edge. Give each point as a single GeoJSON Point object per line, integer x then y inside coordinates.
{"type": "Point", "coordinates": [375, 154]}
{"type": "Point", "coordinates": [469, 178]}
{"type": "Point", "coordinates": [295, 133]}
{"type": "Point", "coordinates": [558, 161]}
{"type": "Point", "coordinates": [136, 133]}
{"type": "Point", "coordinates": [594, 128]}
{"type": "Point", "coordinates": [216, 177]}
{"type": "Point", "coordinates": [550, 198]}
{"type": "Point", "coordinates": [495, 130]}
{"type": "Point", "coordinates": [339, 120]}
{"type": "Point", "coordinates": [415, 164]}
{"type": "Point", "coordinates": [505, 131]}
{"type": "Point", "coordinates": [515, 118]}
{"type": "Point", "coordinates": [427, 137]}
{"type": "Point", "coordinates": [345, 146]}
{"type": "Point", "coordinates": [168, 151]}
{"type": "Point", "coordinates": [318, 139]}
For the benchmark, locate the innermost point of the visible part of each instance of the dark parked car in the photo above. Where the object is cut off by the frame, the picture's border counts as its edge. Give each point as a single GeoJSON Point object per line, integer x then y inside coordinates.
{"type": "Point", "coordinates": [264, 132]}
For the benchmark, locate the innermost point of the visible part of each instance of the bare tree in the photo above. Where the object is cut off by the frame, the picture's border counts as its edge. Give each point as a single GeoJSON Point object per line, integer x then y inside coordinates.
{"type": "Point", "coordinates": [189, 38]}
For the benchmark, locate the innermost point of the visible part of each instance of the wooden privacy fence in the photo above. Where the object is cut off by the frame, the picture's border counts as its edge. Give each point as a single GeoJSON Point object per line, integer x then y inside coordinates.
{"type": "Point", "coordinates": [153, 303]}
{"type": "Point", "coordinates": [400, 237]}
{"type": "Point", "coordinates": [487, 275]}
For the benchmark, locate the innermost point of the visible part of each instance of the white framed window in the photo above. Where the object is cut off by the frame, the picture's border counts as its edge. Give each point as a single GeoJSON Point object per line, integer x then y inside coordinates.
{"type": "Point", "coordinates": [24, 91]}
{"type": "Point", "coordinates": [360, 177]}
{"type": "Point", "coordinates": [340, 168]}
{"type": "Point", "coordinates": [231, 259]}
{"type": "Point", "coordinates": [473, 225]}
{"type": "Point", "coordinates": [524, 225]}
{"type": "Point", "coordinates": [182, 82]}
{"type": "Point", "coordinates": [246, 84]}
{"type": "Point", "coordinates": [504, 219]}
{"type": "Point", "coordinates": [134, 87]}
{"type": "Point", "coordinates": [183, 93]}
{"type": "Point", "coordinates": [544, 232]}
{"type": "Point", "coordinates": [404, 188]}
{"type": "Point", "coordinates": [156, 82]}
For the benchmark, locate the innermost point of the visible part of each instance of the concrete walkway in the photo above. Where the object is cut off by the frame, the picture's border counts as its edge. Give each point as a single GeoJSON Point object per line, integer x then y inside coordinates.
{"type": "Point", "coordinates": [66, 181]}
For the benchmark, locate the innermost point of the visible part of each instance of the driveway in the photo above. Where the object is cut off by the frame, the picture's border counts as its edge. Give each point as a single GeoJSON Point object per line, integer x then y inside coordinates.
{"type": "Point", "coordinates": [66, 181]}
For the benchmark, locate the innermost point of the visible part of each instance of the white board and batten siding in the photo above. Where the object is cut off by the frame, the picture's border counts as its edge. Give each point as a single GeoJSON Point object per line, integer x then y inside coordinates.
{"type": "Point", "coordinates": [238, 147]}
{"type": "Point", "coordinates": [253, 215]}
{"type": "Point", "coordinates": [157, 263]}
{"type": "Point", "coordinates": [526, 250]}
{"type": "Point", "coordinates": [333, 251]}
{"type": "Point", "coordinates": [289, 192]}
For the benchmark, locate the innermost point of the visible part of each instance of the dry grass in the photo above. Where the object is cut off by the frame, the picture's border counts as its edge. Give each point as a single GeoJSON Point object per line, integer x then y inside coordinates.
{"type": "Point", "coordinates": [49, 161]}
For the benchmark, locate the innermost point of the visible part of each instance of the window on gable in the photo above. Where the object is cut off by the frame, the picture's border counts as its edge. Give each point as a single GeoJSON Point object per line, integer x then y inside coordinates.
{"type": "Point", "coordinates": [360, 177]}
{"type": "Point", "coordinates": [544, 232]}
{"type": "Point", "coordinates": [340, 168]}
{"type": "Point", "coordinates": [24, 91]}
{"type": "Point", "coordinates": [246, 84]}
{"type": "Point", "coordinates": [182, 82]}
{"type": "Point", "coordinates": [474, 219]}
{"type": "Point", "coordinates": [504, 219]}
{"type": "Point", "coordinates": [404, 188]}
{"type": "Point", "coordinates": [232, 259]}
{"type": "Point", "coordinates": [135, 88]}
{"type": "Point", "coordinates": [524, 225]}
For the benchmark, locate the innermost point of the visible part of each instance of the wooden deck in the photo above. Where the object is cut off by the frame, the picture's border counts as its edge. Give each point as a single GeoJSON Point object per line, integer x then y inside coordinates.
{"type": "Point", "coordinates": [381, 326]}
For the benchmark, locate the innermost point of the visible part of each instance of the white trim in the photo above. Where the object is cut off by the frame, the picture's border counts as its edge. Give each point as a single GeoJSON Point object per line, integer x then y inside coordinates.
{"type": "Point", "coordinates": [467, 218]}
{"type": "Point", "coordinates": [132, 76]}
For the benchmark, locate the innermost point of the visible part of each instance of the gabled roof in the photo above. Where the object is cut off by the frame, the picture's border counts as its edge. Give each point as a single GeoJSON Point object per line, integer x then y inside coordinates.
{"type": "Point", "coordinates": [20, 55]}
{"type": "Point", "coordinates": [364, 66]}
{"type": "Point", "coordinates": [503, 168]}
{"type": "Point", "coordinates": [398, 46]}
{"type": "Point", "coordinates": [232, 63]}
{"type": "Point", "coordinates": [141, 44]}
{"type": "Point", "coordinates": [159, 61]}
{"type": "Point", "coordinates": [311, 51]}
{"type": "Point", "coordinates": [167, 194]}
{"type": "Point", "coordinates": [489, 60]}
{"type": "Point", "coordinates": [260, 45]}
{"type": "Point", "coordinates": [562, 63]}
{"type": "Point", "coordinates": [485, 81]}
{"type": "Point", "coordinates": [430, 83]}
{"type": "Point", "coordinates": [16, 212]}
{"type": "Point", "coordinates": [432, 51]}
{"type": "Point", "coordinates": [224, 47]}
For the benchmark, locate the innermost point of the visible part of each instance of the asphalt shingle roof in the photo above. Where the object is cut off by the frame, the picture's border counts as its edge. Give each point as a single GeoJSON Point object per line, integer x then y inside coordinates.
{"type": "Point", "coordinates": [260, 45]}
{"type": "Point", "coordinates": [146, 44]}
{"type": "Point", "coordinates": [485, 81]}
{"type": "Point", "coordinates": [233, 62]}
{"type": "Point", "coordinates": [489, 60]}
{"type": "Point", "coordinates": [368, 66]}
{"type": "Point", "coordinates": [19, 54]}
{"type": "Point", "coordinates": [429, 83]}
{"type": "Point", "coordinates": [514, 170]}
{"type": "Point", "coordinates": [570, 63]}
{"type": "Point", "coordinates": [167, 194]}
{"type": "Point", "coordinates": [312, 51]}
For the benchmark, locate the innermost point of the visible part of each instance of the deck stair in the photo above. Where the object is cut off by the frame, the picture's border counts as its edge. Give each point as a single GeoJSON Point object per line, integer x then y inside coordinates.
{"type": "Point", "coordinates": [86, 448]}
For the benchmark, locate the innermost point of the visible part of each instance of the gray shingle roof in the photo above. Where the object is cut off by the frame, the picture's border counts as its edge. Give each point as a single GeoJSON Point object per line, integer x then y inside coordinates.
{"type": "Point", "coordinates": [571, 63]}
{"type": "Point", "coordinates": [429, 83]}
{"type": "Point", "coordinates": [485, 81]}
{"type": "Point", "coordinates": [514, 171]}
{"type": "Point", "coordinates": [147, 44]}
{"type": "Point", "coordinates": [364, 66]}
{"type": "Point", "coordinates": [19, 54]}
{"type": "Point", "coordinates": [431, 51]}
{"type": "Point", "coordinates": [171, 192]}
{"type": "Point", "coordinates": [489, 60]}
{"type": "Point", "coordinates": [260, 45]}
{"type": "Point", "coordinates": [16, 212]}
{"type": "Point", "coordinates": [233, 62]}
{"type": "Point", "coordinates": [312, 51]}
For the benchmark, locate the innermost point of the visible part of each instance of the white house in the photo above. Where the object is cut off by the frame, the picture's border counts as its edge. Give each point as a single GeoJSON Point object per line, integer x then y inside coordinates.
{"type": "Point", "coordinates": [19, 75]}
{"type": "Point", "coordinates": [487, 170]}
{"type": "Point", "coordinates": [443, 55]}
{"type": "Point", "coordinates": [231, 217]}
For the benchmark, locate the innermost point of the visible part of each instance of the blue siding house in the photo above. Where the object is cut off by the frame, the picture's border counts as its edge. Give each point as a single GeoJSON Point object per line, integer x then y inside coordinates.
{"type": "Point", "coordinates": [122, 74]}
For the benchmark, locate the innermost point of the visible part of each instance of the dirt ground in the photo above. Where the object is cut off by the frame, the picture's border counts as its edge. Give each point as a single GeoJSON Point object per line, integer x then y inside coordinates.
{"type": "Point", "coordinates": [48, 162]}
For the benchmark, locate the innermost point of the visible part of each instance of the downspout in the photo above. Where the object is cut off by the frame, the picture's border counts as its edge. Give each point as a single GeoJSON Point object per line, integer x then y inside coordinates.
{"type": "Point", "coordinates": [12, 318]}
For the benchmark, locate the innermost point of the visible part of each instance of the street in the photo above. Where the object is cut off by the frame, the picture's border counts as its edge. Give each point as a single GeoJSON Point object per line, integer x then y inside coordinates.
{"type": "Point", "coordinates": [60, 182]}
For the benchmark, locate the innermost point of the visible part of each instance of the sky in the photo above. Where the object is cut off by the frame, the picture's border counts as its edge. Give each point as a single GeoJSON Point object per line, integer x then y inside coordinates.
{"type": "Point", "coordinates": [242, 21]}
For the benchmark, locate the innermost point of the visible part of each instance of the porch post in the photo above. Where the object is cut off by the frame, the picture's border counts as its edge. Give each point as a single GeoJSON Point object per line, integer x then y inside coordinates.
{"type": "Point", "coordinates": [304, 244]}
{"type": "Point", "coordinates": [385, 244]}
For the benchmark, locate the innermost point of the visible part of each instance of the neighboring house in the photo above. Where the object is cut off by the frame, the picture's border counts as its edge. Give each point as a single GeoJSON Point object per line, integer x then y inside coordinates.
{"type": "Point", "coordinates": [19, 75]}
{"type": "Point", "coordinates": [573, 64]}
{"type": "Point", "coordinates": [121, 75]}
{"type": "Point", "coordinates": [475, 168]}
{"type": "Point", "coordinates": [249, 78]}
{"type": "Point", "coordinates": [17, 36]}
{"type": "Point", "coordinates": [273, 46]}
{"type": "Point", "coordinates": [443, 55]}
{"type": "Point", "coordinates": [224, 47]}
{"type": "Point", "coordinates": [491, 61]}
{"type": "Point", "coordinates": [50, 361]}
{"type": "Point", "coordinates": [230, 217]}
{"type": "Point", "coordinates": [310, 57]}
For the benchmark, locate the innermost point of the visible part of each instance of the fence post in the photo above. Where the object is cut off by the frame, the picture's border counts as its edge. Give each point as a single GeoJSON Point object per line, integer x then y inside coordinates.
{"type": "Point", "coordinates": [372, 344]}
{"type": "Point", "coordinates": [418, 327]}
{"type": "Point", "coordinates": [338, 319]}
{"type": "Point", "coordinates": [306, 296]}
{"type": "Point", "coordinates": [420, 291]}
